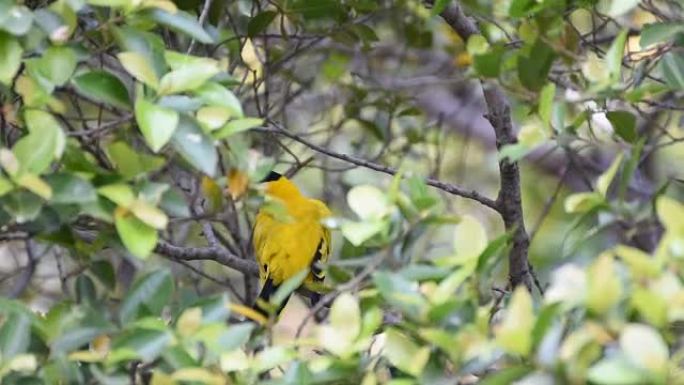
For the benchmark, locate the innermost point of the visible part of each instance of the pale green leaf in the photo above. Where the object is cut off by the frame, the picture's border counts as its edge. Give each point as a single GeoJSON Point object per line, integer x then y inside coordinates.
{"type": "Point", "coordinates": [404, 353]}
{"type": "Point", "coordinates": [368, 202]}
{"type": "Point", "coordinates": [194, 146]}
{"type": "Point", "coordinates": [603, 182]}
{"type": "Point", "coordinates": [10, 57]}
{"type": "Point", "coordinates": [156, 123]}
{"type": "Point", "coordinates": [139, 238]}
{"type": "Point", "coordinates": [139, 66]}
{"type": "Point", "coordinates": [645, 348]}
{"type": "Point", "coordinates": [514, 334]}
{"type": "Point", "coordinates": [237, 125]}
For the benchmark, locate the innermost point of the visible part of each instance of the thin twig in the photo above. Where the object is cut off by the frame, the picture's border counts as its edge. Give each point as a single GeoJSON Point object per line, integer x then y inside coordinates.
{"type": "Point", "coordinates": [450, 188]}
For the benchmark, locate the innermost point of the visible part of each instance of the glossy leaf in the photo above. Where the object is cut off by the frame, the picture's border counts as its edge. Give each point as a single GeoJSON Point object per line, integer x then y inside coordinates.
{"type": "Point", "coordinates": [194, 146]}
{"type": "Point", "coordinates": [139, 238]}
{"type": "Point", "coordinates": [10, 57]}
{"type": "Point", "coordinates": [102, 86]}
{"type": "Point", "coordinates": [156, 123]}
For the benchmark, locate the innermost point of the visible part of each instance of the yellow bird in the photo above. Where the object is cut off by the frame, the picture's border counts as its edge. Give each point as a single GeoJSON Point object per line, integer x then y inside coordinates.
{"type": "Point", "coordinates": [286, 245]}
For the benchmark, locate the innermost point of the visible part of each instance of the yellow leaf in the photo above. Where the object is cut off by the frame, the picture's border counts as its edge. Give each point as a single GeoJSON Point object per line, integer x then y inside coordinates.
{"type": "Point", "coordinates": [212, 192]}
{"type": "Point", "coordinates": [149, 214]}
{"type": "Point", "coordinates": [198, 374]}
{"type": "Point", "coordinates": [166, 5]}
{"type": "Point", "coordinates": [36, 185]}
{"type": "Point", "coordinates": [23, 363]}
{"type": "Point", "coordinates": [582, 202]}
{"type": "Point", "coordinates": [251, 59]}
{"type": "Point", "coordinates": [671, 214]}
{"type": "Point", "coordinates": [470, 238]}
{"type": "Point", "coordinates": [101, 344]}
{"type": "Point", "coordinates": [603, 181]}
{"type": "Point", "coordinates": [463, 59]}
{"type": "Point", "coordinates": [86, 356]}
{"type": "Point", "coordinates": [234, 361]}
{"type": "Point", "coordinates": [604, 286]}
{"type": "Point", "coordinates": [237, 183]}
{"type": "Point", "coordinates": [189, 321]}
{"type": "Point", "coordinates": [138, 66]}
{"type": "Point", "coordinates": [161, 378]}
{"type": "Point", "coordinates": [213, 117]}
{"type": "Point", "coordinates": [640, 264]}
{"type": "Point", "coordinates": [514, 334]}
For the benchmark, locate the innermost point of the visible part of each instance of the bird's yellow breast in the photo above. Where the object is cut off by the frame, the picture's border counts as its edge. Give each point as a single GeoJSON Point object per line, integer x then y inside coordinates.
{"type": "Point", "coordinates": [286, 246]}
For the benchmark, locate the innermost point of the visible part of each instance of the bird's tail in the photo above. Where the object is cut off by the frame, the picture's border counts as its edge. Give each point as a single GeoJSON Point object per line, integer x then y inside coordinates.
{"type": "Point", "coordinates": [261, 304]}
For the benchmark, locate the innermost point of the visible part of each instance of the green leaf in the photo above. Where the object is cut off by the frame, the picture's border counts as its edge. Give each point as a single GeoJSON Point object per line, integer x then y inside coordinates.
{"type": "Point", "coordinates": [288, 287]}
{"type": "Point", "coordinates": [345, 315]}
{"type": "Point", "coordinates": [16, 20]}
{"type": "Point", "coordinates": [15, 334]}
{"type": "Point", "coordinates": [70, 189]}
{"type": "Point", "coordinates": [188, 77]}
{"type": "Point", "coordinates": [260, 22]}
{"type": "Point", "coordinates": [5, 186]}
{"type": "Point", "coordinates": [139, 66]}
{"type": "Point", "coordinates": [58, 64]}
{"type": "Point", "coordinates": [659, 33]}
{"type": "Point", "coordinates": [102, 86]}
{"type": "Point", "coordinates": [404, 353]}
{"type": "Point", "coordinates": [603, 182]}
{"type": "Point", "coordinates": [22, 205]}
{"type": "Point", "coordinates": [519, 8]}
{"type": "Point", "coordinates": [368, 202]}
{"type": "Point", "coordinates": [147, 344]}
{"type": "Point", "coordinates": [152, 292]}
{"type": "Point", "coordinates": [489, 64]}
{"type": "Point", "coordinates": [546, 97]}
{"type": "Point", "coordinates": [139, 238]}
{"type": "Point", "coordinates": [44, 143]}
{"type": "Point", "coordinates": [645, 348]}
{"type": "Point", "coordinates": [470, 239]}
{"type": "Point", "coordinates": [73, 339]}
{"type": "Point", "coordinates": [534, 68]}
{"type": "Point", "coordinates": [359, 232]}
{"type": "Point", "coordinates": [156, 123]}
{"type": "Point", "coordinates": [121, 194]}
{"type": "Point", "coordinates": [237, 125]}
{"type": "Point", "coordinates": [506, 376]}
{"type": "Point", "coordinates": [35, 185]}
{"type": "Point", "coordinates": [147, 44]}
{"type": "Point", "coordinates": [582, 202]}
{"type": "Point", "coordinates": [514, 334]}
{"type": "Point", "coordinates": [149, 214]}
{"type": "Point", "coordinates": [131, 163]}
{"type": "Point", "coordinates": [615, 370]}
{"type": "Point", "coordinates": [614, 56]}
{"type": "Point", "coordinates": [672, 67]}
{"type": "Point", "coordinates": [194, 146]}
{"type": "Point", "coordinates": [624, 124]}
{"type": "Point", "coordinates": [216, 95]}
{"type": "Point", "coordinates": [604, 285]}
{"type": "Point", "coordinates": [620, 7]}
{"type": "Point", "coordinates": [439, 6]}
{"type": "Point", "coordinates": [183, 22]}
{"type": "Point", "coordinates": [10, 57]}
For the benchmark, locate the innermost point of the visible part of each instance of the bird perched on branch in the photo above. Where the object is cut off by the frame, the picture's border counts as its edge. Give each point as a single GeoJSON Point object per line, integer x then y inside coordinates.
{"type": "Point", "coordinates": [288, 239]}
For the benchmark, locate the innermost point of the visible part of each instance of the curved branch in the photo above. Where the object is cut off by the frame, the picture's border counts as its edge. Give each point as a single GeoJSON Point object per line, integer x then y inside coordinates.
{"type": "Point", "coordinates": [212, 253]}
{"type": "Point", "coordinates": [447, 187]}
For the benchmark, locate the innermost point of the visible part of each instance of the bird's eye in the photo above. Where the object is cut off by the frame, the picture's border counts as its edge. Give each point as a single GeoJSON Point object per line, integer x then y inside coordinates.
{"type": "Point", "coordinates": [265, 266]}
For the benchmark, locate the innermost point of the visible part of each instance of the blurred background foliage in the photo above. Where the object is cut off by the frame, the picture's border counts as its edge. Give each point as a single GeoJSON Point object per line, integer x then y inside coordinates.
{"type": "Point", "coordinates": [133, 134]}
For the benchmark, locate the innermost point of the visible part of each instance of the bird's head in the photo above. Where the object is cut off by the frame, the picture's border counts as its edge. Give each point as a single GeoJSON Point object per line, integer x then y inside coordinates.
{"type": "Point", "coordinates": [278, 186]}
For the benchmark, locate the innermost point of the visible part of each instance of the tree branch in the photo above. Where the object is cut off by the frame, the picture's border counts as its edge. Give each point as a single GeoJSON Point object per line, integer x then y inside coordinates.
{"type": "Point", "coordinates": [218, 254]}
{"type": "Point", "coordinates": [499, 115]}
{"type": "Point", "coordinates": [447, 187]}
